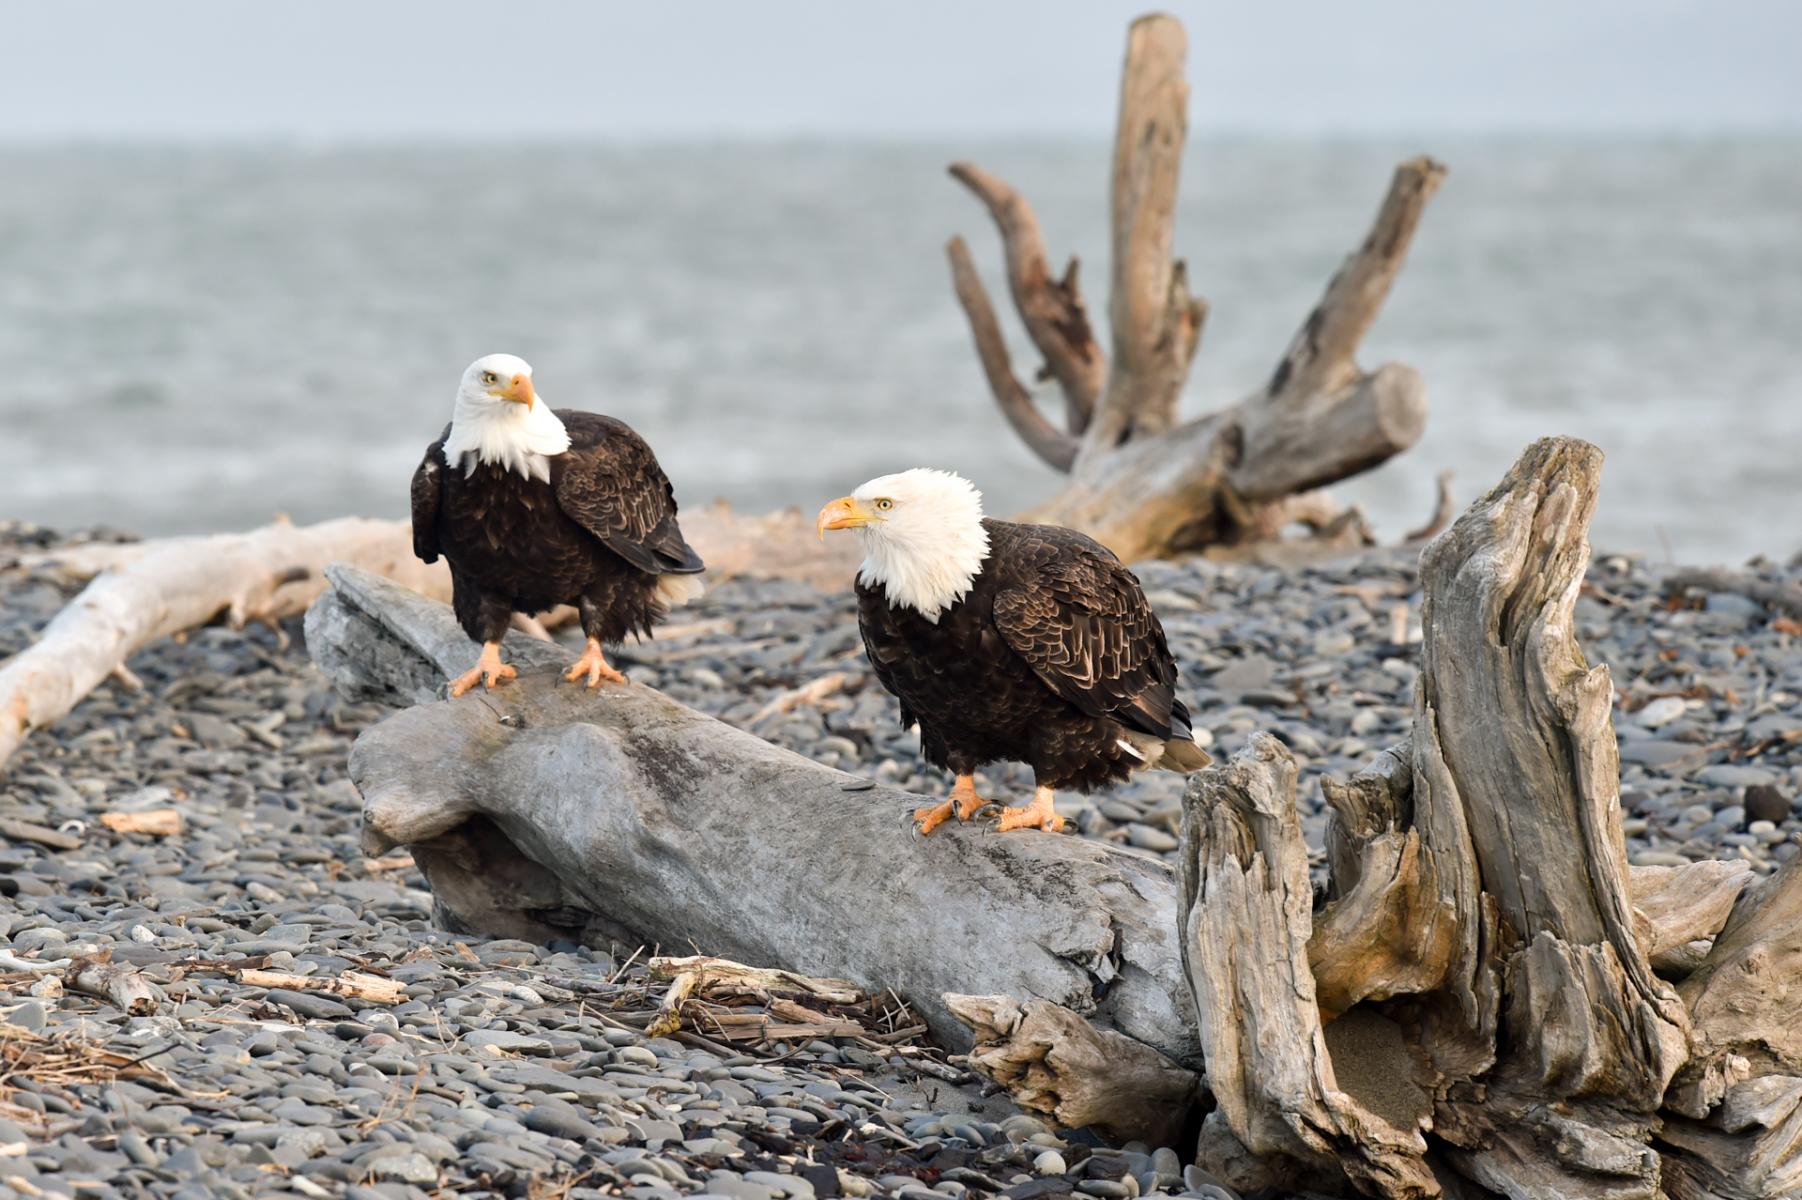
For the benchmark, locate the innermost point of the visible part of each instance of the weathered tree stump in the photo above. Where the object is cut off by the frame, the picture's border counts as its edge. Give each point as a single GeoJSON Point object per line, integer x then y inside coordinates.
{"type": "Point", "coordinates": [1141, 481]}
{"type": "Point", "coordinates": [1479, 1000]}
{"type": "Point", "coordinates": [543, 810]}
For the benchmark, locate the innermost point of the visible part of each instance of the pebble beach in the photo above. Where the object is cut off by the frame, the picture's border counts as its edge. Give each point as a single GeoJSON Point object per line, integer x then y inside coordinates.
{"type": "Point", "coordinates": [507, 1068]}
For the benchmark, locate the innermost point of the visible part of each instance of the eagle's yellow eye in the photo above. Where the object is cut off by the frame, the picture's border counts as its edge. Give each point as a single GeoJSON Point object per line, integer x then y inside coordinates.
{"type": "Point", "coordinates": [489, 377]}
{"type": "Point", "coordinates": [884, 505]}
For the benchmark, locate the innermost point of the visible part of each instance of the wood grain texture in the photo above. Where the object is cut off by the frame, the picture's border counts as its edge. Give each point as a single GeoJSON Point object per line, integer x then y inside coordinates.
{"type": "Point", "coordinates": [1481, 995]}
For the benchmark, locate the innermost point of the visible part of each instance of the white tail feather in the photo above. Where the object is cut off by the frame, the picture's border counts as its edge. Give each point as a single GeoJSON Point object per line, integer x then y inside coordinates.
{"type": "Point", "coordinates": [677, 590]}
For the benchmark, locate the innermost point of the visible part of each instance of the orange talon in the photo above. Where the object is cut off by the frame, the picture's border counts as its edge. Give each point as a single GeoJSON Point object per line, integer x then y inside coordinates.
{"type": "Point", "coordinates": [963, 801]}
{"type": "Point", "coordinates": [1037, 815]}
{"type": "Point", "coordinates": [488, 671]}
{"type": "Point", "coordinates": [594, 665]}
{"type": "Point", "coordinates": [933, 815]}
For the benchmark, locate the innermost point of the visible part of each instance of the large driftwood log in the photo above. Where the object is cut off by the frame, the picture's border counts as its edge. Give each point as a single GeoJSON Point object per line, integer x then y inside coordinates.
{"type": "Point", "coordinates": [544, 810]}
{"type": "Point", "coordinates": [1141, 481]}
{"type": "Point", "coordinates": [142, 591]}
{"type": "Point", "coordinates": [1480, 990]}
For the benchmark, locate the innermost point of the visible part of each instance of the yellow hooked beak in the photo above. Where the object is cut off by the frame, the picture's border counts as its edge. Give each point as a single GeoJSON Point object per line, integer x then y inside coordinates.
{"type": "Point", "coordinates": [518, 389]}
{"type": "Point", "coordinates": [847, 512]}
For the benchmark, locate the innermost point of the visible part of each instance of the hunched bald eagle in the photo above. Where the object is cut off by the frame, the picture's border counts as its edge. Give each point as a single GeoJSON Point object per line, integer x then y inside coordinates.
{"type": "Point", "coordinates": [535, 508]}
{"type": "Point", "coordinates": [1009, 641]}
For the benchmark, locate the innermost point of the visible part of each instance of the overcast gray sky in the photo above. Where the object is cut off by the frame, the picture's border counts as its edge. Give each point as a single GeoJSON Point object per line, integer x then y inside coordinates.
{"type": "Point", "coordinates": [351, 69]}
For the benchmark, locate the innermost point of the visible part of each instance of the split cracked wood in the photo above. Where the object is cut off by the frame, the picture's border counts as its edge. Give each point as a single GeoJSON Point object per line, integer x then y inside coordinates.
{"type": "Point", "coordinates": [1480, 993]}
{"type": "Point", "coordinates": [1054, 1062]}
{"type": "Point", "coordinates": [545, 811]}
{"type": "Point", "coordinates": [1141, 481]}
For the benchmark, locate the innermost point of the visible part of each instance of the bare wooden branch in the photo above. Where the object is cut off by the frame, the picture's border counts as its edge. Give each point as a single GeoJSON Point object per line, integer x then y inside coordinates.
{"type": "Point", "coordinates": [357, 985]}
{"type": "Point", "coordinates": [1046, 440]}
{"type": "Point", "coordinates": [811, 692]}
{"type": "Point", "coordinates": [143, 591]}
{"type": "Point", "coordinates": [543, 810]}
{"type": "Point", "coordinates": [1322, 359]}
{"type": "Point", "coordinates": [1156, 323]}
{"type": "Point", "coordinates": [1785, 598]}
{"type": "Point", "coordinates": [1297, 440]}
{"type": "Point", "coordinates": [165, 587]}
{"type": "Point", "coordinates": [1444, 507]}
{"type": "Point", "coordinates": [1052, 309]}
{"type": "Point", "coordinates": [1142, 483]}
{"type": "Point", "coordinates": [1054, 1062]}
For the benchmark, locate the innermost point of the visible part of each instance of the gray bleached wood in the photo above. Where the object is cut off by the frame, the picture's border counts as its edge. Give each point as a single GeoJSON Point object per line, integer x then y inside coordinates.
{"type": "Point", "coordinates": [1750, 1147]}
{"type": "Point", "coordinates": [1746, 997]}
{"type": "Point", "coordinates": [1483, 957]}
{"type": "Point", "coordinates": [540, 809]}
{"type": "Point", "coordinates": [1245, 905]}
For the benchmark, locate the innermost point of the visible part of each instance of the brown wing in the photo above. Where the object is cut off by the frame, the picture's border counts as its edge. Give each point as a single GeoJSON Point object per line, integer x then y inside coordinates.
{"type": "Point", "coordinates": [428, 487]}
{"type": "Point", "coordinates": [610, 484]}
{"type": "Point", "coordinates": [1081, 621]}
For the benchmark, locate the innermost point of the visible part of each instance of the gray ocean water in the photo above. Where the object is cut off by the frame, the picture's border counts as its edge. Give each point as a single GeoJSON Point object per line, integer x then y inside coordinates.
{"type": "Point", "coordinates": [195, 339]}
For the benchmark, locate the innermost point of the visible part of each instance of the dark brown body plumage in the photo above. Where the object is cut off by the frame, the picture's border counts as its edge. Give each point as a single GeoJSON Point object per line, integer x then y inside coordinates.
{"type": "Point", "coordinates": [597, 536]}
{"type": "Point", "coordinates": [1052, 659]}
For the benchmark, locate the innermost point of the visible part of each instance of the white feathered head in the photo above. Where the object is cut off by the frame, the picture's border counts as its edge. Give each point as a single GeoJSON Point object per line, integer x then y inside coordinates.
{"type": "Point", "coordinates": [500, 418]}
{"type": "Point", "coordinates": [922, 535]}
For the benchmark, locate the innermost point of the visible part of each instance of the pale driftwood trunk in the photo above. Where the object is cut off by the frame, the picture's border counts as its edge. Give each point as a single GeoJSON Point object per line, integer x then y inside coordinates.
{"type": "Point", "coordinates": [142, 591]}
{"type": "Point", "coordinates": [1141, 481]}
{"type": "Point", "coordinates": [1483, 996]}
{"type": "Point", "coordinates": [545, 810]}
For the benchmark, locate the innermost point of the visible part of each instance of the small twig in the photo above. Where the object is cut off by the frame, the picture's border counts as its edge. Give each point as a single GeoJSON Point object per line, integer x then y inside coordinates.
{"type": "Point", "coordinates": [1786, 598]}
{"type": "Point", "coordinates": [1443, 511]}
{"type": "Point", "coordinates": [811, 692]}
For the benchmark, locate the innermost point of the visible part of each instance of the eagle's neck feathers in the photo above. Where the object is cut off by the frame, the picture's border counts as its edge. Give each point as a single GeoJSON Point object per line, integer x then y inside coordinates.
{"type": "Point", "coordinates": [512, 436]}
{"type": "Point", "coordinates": [927, 566]}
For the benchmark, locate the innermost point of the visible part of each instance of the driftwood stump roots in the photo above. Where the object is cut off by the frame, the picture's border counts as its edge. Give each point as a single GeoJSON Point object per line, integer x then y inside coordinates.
{"type": "Point", "coordinates": [1488, 994]}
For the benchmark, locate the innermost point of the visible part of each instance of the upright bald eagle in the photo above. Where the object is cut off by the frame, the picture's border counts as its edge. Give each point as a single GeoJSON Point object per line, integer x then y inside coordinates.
{"type": "Point", "coordinates": [534, 508]}
{"type": "Point", "coordinates": [1009, 641]}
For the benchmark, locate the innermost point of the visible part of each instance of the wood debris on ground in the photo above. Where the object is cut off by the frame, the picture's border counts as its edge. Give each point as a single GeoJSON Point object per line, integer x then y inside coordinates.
{"type": "Point", "coordinates": [718, 999]}
{"type": "Point", "coordinates": [156, 822]}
